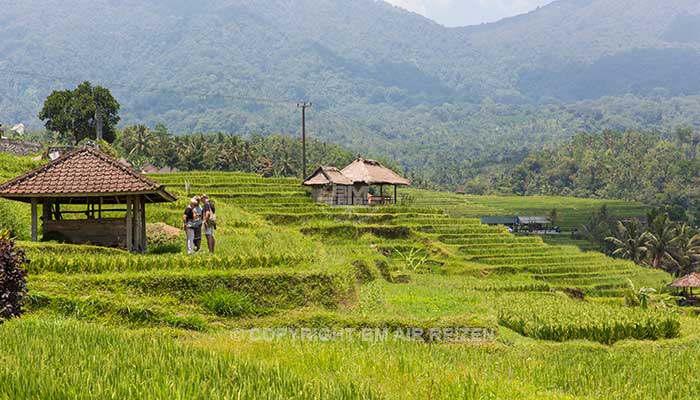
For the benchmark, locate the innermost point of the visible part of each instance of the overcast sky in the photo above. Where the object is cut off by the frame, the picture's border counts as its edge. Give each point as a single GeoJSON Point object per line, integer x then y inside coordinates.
{"type": "Point", "coordinates": [468, 12]}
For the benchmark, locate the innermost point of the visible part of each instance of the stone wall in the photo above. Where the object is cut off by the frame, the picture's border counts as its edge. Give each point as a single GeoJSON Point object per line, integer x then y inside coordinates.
{"type": "Point", "coordinates": [19, 147]}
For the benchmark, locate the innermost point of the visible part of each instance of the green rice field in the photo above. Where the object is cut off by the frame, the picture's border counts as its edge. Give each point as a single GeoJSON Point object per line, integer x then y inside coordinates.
{"type": "Point", "coordinates": [306, 301]}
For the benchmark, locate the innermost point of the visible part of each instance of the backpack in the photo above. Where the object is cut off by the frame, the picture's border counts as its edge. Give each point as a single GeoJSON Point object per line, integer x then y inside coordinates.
{"type": "Point", "coordinates": [212, 216]}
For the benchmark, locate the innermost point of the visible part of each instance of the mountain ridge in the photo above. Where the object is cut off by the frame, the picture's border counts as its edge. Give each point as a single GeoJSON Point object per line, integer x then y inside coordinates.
{"type": "Point", "coordinates": [384, 81]}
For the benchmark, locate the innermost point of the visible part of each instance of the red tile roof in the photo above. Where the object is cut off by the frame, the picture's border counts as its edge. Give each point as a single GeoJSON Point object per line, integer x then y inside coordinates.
{"type": "Point", "coordinates": [83, 171]}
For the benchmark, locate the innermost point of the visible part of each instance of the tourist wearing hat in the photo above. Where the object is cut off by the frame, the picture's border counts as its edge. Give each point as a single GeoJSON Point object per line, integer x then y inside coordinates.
{"type": "Point", "coordinates": [191, 219]}
{"type": "Point", "coordinates": [209, 211]}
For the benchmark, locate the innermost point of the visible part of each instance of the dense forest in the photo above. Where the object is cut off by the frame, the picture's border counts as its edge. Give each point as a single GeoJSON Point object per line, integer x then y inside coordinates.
{"type": "Point", "coordinates": [633, 165]}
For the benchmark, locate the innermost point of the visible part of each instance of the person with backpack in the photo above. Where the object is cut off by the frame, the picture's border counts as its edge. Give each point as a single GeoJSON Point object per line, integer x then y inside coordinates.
{"type": "Point", "coordinates": [200, 222]}
{"type": "Point", "coordinates": [209, 211]}
{"type": "Point", "coordinates": [192, 222]}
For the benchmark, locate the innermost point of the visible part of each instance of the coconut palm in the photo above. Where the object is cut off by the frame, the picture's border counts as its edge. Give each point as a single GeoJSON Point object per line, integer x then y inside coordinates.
{"type": "Point", "coordinates": [138, 140]}
{"type": "Point", "coordinates": [661, 240]}
{"type": "Point", "coordinates": [685, 254]}
{"type": "Point", "coordinates": [629, 241]}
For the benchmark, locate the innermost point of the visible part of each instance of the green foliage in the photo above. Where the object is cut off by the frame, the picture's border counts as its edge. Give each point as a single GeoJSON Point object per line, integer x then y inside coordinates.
{"type": "Point", "coordinates": [629, 165]}
{"type": "Point", "coordinates": [559, 319]}
{"type": "Point", "coordinates": [268, 274]}
{"type": "Point", "coordinates": [414, 258]}
{"type": "Point", "coordinates": [75, 113]}
{"type": "Point", "coordinates": [226, 303]}
{"type": "Point", "coordinates": [481, 105]}
{"type": "Point", "coordinates": [273, 155]}
{"type": "Point", "coordinates": [674, 247]}
{"type": "Point", "coordinates": [13, 285]}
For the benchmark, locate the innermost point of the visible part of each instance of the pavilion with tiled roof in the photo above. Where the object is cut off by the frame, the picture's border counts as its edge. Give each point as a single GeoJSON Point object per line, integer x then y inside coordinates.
{"type": "Point", "coordinates": [87, 176]}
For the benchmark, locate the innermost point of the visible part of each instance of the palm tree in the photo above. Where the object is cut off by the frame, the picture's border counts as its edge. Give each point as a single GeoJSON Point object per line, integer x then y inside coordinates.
{"type": "Point", "coordinates": [685, 254]}
{"type": "Point", "coordinates": [629, 241]}
{"type": "Point", "coordinates": [140, 139]}
{"type": "Point", "coordinates": [661, 239]}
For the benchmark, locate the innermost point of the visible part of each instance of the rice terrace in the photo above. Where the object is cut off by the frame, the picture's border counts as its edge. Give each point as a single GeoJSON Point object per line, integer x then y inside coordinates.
{"type": "Point", "coordinates": [102, 322]}
{"type": "Point", "coordinates": [349, 199]}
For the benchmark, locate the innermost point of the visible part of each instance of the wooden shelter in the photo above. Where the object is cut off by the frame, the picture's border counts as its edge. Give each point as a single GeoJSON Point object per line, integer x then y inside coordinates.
{"type": "Point", "coordinates": [687, 283]}
{"type": "Point", "coordinates": [86, 176]}
{"type": "Point", "coordinates": [373, 173]}
{"type": "Point", "coordinates": [351, 185]}
{"type": "Point", "coordinates": [330, 186]}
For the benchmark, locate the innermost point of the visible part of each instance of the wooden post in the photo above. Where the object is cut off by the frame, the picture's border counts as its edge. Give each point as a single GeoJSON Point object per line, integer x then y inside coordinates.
{"type": "Point", "coordinates": [137, 224]}
{"type": "Point", "coordinates": [143, 226]}
{"type": "Point", "coordinates": [46, 210]}
{"type": "Point", "coordinates": [395, 198]}
{"type": "Point", "coordinates": [34, 220]}
{"type": "Point", "coordinates": [129, 224]}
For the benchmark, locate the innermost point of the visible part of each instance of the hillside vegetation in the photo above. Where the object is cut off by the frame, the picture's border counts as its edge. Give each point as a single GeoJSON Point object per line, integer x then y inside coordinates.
{"type": "Point", "coordinates": [384, 82]}
{"type": "Point", "coordinates": [624, 165]}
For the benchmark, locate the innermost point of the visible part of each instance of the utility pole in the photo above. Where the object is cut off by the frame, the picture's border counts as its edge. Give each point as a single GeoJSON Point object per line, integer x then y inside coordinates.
{"type": "Point", "coordinates": [303, 107]}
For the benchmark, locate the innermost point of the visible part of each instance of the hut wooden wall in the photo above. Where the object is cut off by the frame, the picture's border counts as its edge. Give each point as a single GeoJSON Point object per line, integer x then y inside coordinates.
{"type": "Point", "coordinates": [102, 232]}
{"type": "Point", "coordinates": [341, 195]}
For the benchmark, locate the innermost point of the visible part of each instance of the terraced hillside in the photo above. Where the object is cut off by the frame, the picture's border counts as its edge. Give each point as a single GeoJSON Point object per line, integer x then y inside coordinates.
{"type": "Point", "coordinates": [173, 326]}
{"type": "Point", "coordinates": [573, 212]}
{"type": "Point", "coordinates": [458, 245]}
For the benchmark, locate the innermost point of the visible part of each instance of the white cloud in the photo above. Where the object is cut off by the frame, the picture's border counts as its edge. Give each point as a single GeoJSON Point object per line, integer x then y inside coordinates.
{"type": "Point", "coordinates": [468, 12]}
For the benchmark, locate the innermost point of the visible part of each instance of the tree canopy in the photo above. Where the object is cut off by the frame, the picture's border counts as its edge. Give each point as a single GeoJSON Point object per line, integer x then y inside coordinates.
{"type": "Point", "coordinates": [78, 113]}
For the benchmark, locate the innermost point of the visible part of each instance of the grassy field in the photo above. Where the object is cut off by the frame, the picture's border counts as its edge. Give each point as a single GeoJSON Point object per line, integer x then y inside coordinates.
{"type": "Point", "coordinates": [573, 212]}
{"type": "Point", "coordinates": [253, 321]}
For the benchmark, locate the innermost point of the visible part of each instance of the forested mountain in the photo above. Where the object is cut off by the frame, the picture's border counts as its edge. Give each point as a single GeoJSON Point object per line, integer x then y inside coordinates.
{"type": "Point", "coordinates": [442, 102]}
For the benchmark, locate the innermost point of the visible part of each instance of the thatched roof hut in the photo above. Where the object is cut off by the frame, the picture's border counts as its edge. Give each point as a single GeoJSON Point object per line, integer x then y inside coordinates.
{"type": "Point", "coordinates": [330, 186]}
{"type": "Point", "coordinates": [687, 283]}
{"type": "Point", "coordinates": [87, 176]}
{"type": "Point", "coordinates": [691, 280]}
{"type": "Point", "coordinates": [350, 186]}
{"type": "Point", "coordinates": [326, 176]}
{"type": "Point", "coordinates": [373, 172]}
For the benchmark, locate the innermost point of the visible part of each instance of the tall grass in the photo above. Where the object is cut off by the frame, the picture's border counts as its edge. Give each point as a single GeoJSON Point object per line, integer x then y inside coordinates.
{"type": "Point", "coordinates": [51, 359]}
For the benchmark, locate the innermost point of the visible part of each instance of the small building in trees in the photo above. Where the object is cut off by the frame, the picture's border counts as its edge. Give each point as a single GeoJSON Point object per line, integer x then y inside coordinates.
{"type": "Point", "coordinates": [351, 185]}
{"type": "Point", "coordinates": [88, 197]}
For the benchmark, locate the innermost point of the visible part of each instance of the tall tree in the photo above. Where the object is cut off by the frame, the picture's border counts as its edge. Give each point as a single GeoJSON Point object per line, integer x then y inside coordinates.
{"type": "Point", "coordinates": [80, 112]}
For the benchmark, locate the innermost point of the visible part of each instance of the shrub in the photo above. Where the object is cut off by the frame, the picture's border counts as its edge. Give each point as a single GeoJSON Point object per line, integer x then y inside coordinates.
{"type": "Point", "coordinates": [13, 285]}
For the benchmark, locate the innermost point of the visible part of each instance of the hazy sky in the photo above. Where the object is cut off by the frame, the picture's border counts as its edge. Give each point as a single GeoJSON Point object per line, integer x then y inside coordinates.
{"type": "Point", "coordinates": [468, 12]}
